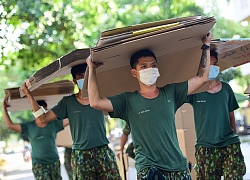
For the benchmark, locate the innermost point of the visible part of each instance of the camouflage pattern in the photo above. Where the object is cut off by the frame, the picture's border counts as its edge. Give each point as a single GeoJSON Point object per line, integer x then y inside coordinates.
{"type": "Point", "coordinates": [154, 173]}
{"type": "Point", "coordinates": [95, 164]}
{"type": "Point", "coordinates": [47, 171]}
{"type": "Point", "coordinates": [212, 163]}
{"type": "Point", "coordinates": [67, 162]}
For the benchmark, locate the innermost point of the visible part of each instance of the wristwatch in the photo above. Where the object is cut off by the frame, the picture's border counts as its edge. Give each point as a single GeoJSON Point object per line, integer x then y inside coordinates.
{"type": "Point", "coordinates": [205, 47]}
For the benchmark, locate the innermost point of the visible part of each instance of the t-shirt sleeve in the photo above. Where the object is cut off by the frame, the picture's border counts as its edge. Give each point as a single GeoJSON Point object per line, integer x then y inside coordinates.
{"type": "Point", "coordinates": [61, 109]}
{"type": "Point", "coordinates": [190, 99]}
{"type": "Point", "coordinates": [119, 106]}
{"type": "Point", "coordinates": [59, 125]}
{"type": "Point", "coordinates": [25, 129]}
{"type": "Point", "coordinates": [233, 104]}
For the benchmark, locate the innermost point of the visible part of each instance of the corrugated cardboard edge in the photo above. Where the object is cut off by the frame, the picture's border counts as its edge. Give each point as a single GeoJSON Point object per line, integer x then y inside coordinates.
{"type": "Point", "coordinates": [247, 91]}
{"type": "Point", "coordinates": [50, 92]}
{"type": "Point", "coordinates": [60, 67]}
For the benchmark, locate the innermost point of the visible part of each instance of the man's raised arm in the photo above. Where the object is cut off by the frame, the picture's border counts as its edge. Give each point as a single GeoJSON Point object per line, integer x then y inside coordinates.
{"type": "Point", "coordinates": [203, 71]}
{"type": "Point", "coordinates": [38, 111]}
{"type": "Point", "coordinates": [95, 100]}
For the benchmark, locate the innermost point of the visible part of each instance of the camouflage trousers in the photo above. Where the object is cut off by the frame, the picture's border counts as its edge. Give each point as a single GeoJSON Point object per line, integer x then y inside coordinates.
{"type": "Point", "coordinates": [95, 164]}
{"type": "Point", "coordinates": [67, 162]}
{"type": "Point", "coordinates": [212, 163]}
{"type": "Point", "coordinates": [154, 173]}
{"type": "Point", "coordinates": [47, 171]}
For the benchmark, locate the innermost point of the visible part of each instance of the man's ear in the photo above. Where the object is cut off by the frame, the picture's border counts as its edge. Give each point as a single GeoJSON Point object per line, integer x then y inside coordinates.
{"type": "Point", "coordinates": [134, 72]}
{"type": "Point", "coordinates": [74, 80]}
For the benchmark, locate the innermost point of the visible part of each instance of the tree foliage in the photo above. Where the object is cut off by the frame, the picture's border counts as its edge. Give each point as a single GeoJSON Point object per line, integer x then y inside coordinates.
{"type": "Point", "coordinates": [13, 78]}
{"type": "Point", "coordinates": [229, 74]}
{"type": "Point", "coordinates": [46, 30]}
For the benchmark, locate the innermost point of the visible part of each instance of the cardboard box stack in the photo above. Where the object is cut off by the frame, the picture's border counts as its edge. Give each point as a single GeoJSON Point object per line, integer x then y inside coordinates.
{"type": "Point", "coordinates": [232, 52]}
{"type": "Point", "coordinates": [176, 43]}
{"type": "Point", "coordinates": [184, 120]}
{"type": "Point", "coordinates": [247, 91]}
{"type": "Point", "coordinates": [57, 68]}
{"type": "Point", "coordinates": [51, 93]}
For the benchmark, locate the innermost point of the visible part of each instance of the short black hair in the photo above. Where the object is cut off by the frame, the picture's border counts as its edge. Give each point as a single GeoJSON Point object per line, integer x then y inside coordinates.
{"type": "Point", "coordinates": [214, 53]}
{"type": "Point", "coordinates": [42, 103]}
{"type": "Point", "coordinates": [80, 68]}
{"type": "Point", "coordinates": [141, 53]}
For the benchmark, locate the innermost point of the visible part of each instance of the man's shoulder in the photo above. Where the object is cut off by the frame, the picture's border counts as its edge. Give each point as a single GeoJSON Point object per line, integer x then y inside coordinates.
{"type": "Point", "coordinates": [226, 85]}
{"type": "Point", "coordinates": [28, 122]}
{"type": "Point", "coordinates": [127, 93]}
{"type": "Point", "coordinates": [175, 84]}
{"type": "Point", "coordinates": [69, 97]}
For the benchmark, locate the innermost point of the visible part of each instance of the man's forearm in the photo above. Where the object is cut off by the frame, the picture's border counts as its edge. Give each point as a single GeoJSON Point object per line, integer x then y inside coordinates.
{"type": "Point", "coordinates": [124, 139]}
{"type": "Point", "coordinates": [6, 118]}
{"type": "Point", "coordinates": [35, 107]}
{"type": "Point", "coordinates": [203, 69]}
{"type": "Point", "coordinates": [93, 89]}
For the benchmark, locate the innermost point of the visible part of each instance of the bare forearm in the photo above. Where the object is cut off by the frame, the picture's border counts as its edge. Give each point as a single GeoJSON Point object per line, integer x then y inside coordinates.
{"type": "Point", "coordinates": [45, 117]}
{"type": "Point", "coordinates": [204, 64]}
{"type": "Point", "coordinates": [203, 70]}
{"type": "Point", "coordinates": [124, 139]}
{"type": "Point", "coordinates": [35, 107]}
{"type": "Point", "coordinates": [202, 75]}
{"type": "Point", "coordinates": [9, 124]}
{"type": "Point", "coordinates": [6, 118]}
{"type": "Point", "coordinates": [93, 90]}
{"type": "Point", "coordinates": [95, 100]}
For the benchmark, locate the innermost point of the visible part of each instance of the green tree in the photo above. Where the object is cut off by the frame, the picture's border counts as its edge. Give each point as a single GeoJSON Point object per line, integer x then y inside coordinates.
{"type": "Point", "coordinates": [10, 79]}
{"type": "Point", "coordinates": [46, 30]}
{"type": "Point", "coordinates": [229, 75]}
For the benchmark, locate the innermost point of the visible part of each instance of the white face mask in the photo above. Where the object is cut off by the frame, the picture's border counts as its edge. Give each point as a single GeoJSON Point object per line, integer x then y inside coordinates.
{"type": "Point", "coordinates": [80, 83]}
{"type": "Point", "coordinates": [149, 76]}
{"type": "Point", "coordinates": [213, 72]}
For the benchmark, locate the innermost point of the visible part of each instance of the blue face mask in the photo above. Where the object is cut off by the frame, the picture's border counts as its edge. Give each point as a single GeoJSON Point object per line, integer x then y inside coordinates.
{"type": "Point", "coordinates": [80, 83]}
{"type": "Point", "coordinates": [214, 71]}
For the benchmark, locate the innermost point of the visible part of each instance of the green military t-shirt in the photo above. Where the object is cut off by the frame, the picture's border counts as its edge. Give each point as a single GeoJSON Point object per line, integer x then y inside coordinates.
{"type": "Point", "coordinates": [87, 125]}
{"type": "Point", "coordinates": [211, 117]}
{"type": "Point", "coordinates": [152, 124]}
{"type": "Point", "coordinates": [43, 141]}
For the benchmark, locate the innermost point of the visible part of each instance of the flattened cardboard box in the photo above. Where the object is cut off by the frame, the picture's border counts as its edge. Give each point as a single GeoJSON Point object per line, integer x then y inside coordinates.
{"type": "Point", "coordinates": [184, 117]}
{"type": "Point", "coordinates": [178, 53]}
{"type": "Point", "coordinates": [60, 67]}
{"type": "Point", "coordinates": [64, 138]}
{"type": "Point", "coordinates": [247, 91]}
{"type": "Point", "coordinates": [232, 52]}
{"type": "Point", "coordinates": [187, 138]}
{"type": "Point", "coordinates": [50, 92]}
{"type": "Point", "coordinates": [178, 56]}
